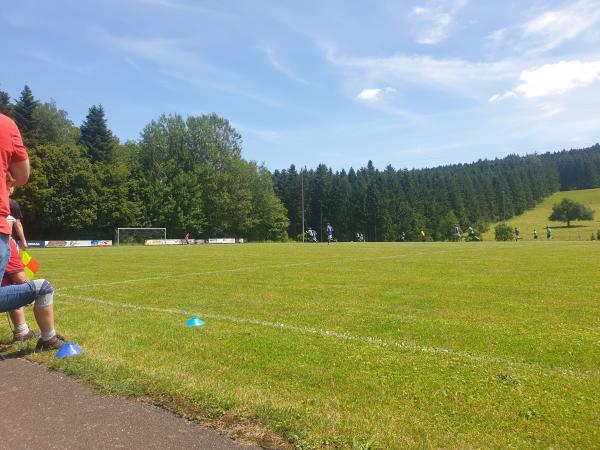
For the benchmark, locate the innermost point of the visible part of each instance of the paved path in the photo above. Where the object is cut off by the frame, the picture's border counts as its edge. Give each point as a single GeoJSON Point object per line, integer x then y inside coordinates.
{"type": "Point", "coordinates": [43, 409]}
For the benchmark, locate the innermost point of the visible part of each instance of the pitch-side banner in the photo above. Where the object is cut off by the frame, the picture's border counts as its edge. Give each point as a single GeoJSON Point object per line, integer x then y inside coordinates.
{"type": "Point", "coordinates": [79, 243]}
{"type": "Point", "coordinates": [154, 242]}
{"type": "Point", "coordinates": [36, 244]}
{"type": "Point", "coordinates": [55, 244]}
{"type": "Point", "coordinates": [222, 241]}
{"type": "Point", "coordinates": [101, 243]}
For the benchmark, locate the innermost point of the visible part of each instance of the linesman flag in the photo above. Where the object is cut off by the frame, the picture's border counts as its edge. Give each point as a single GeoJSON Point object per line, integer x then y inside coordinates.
{"type": "Point", "coordinates": [30, 265]}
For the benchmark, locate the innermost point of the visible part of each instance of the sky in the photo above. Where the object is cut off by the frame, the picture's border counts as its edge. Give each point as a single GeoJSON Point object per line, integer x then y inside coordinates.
{"type": "Point", "coordinates": [408, 83]}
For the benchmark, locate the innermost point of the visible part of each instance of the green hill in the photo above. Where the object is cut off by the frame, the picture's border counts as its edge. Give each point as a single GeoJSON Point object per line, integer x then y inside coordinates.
{"type": "Point", "coordinates": [538, 218]}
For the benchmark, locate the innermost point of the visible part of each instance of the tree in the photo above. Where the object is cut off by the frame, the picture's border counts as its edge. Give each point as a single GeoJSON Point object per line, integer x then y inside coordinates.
{"type": "Point", "coordinates": [193, 178]}
{"type": "Point", "coordinates": [446, 227]}
{"type": "Point", "coordinates": [568, 210]}
{"type": "Point", "coordinates": [52, 125]}
{"type": "Point", "coordinates": [23, 111]}
{"type": "Point", "coordinates": [504, 232]}
{"type": "Point", "coordinates": [5, 106]}
{"type": "Point", "coordinates": [97, 140]}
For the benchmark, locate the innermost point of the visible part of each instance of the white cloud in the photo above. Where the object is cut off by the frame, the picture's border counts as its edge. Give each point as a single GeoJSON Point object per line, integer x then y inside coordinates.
{"type": "Point", "coordinates": [469, 79]}
{"type": "Point", "coordinates": [499, 97]}
{"type": "Point", "coordinates": [280, 67]}
{"type": "Point", "coordinates": [553, 79]}
{"type": "Point", "coordinates": [433, 19]}
{"type": "Point", "coordinates": [373, 95]}
{"type": "Point", "coordinates": [552, 28]}
{"type": "Point", "coordinates": [177, 59]}
{"type": "Point", "coordinates": [158, 50]}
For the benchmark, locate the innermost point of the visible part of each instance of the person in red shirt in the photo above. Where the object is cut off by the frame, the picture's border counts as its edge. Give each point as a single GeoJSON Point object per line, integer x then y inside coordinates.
{"type": "Point", "coordinates": [14, 171]}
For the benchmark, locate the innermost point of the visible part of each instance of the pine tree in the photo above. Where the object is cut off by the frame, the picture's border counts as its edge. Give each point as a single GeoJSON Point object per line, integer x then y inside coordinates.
{"type": "Point", "coordinates": [5, 106]}
{"type": "Point", "coordinates": [97, 140]}
{"type": "Point", "coordinates": [23, 111]}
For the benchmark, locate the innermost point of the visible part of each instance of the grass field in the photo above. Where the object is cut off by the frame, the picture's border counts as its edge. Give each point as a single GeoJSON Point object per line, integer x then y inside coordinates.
{"type": "Point", "coordinates": [455, 345]}
{"type": "Point", "coordinates": [580, 230]}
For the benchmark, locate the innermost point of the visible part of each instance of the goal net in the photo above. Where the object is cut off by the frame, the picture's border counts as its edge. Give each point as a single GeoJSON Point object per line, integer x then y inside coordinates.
{"type": "Point", "coordinates": [137, 236]}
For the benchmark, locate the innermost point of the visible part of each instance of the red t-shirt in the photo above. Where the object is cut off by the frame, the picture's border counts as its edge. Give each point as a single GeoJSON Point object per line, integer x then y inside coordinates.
{"type": "Point", "coordinates": [11, 150]}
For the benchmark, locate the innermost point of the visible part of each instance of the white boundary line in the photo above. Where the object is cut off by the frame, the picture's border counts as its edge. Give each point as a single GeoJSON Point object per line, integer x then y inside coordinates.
{"type": "Point", "coordinates": [369, 340]}
{"type": "Point", "coordinates": [239, 269]}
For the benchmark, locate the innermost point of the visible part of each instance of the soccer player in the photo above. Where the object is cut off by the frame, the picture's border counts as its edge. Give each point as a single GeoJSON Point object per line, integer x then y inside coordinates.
{"type": "Point", "coordinates": [517, 234]}
{"type": "Point", "coordinates": [312, 234]}
{"type": "Point", "coordinates": [329, 231]}
{"type": "Point", "coordinates": [470, 233]}
{"type": "Point", "coordinates": [548, 233]}
{"type": "Point", "coordinates": [535, 235]}
{"type": "Point", "coordinates": [457, 232]}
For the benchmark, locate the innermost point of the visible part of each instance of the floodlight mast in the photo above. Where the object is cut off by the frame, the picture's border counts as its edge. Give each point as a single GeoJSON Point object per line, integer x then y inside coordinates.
{"type": "Point", "coordinates": [302, 184]}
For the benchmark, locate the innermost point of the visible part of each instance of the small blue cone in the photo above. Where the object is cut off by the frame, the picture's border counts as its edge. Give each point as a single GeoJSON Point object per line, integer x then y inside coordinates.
{"type": "Point", "coordinates": [69, 349]}
{"type": "Point", "coordinates": [194, 322]}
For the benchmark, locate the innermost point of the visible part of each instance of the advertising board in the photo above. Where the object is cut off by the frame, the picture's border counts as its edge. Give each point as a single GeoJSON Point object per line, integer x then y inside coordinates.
{"type": "Point", "coordinates": [36, 244]}
{"type": "Point", "coordinates": [222, 241]}
{"type": "Point", "coordinates": [101, 243]}
{"type": "Point", "coordinates": [56, 243]}
{"type": "Point", "coordinates": [154, 242]}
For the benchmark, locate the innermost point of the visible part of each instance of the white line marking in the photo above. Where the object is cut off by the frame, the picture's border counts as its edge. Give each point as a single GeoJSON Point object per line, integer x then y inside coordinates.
{"type": "Point", "coordinates": [384, 343]}
{"type": "Point", "coordinates": [243, 269]}
{"type": "Point", "coordinates": [237, 269]}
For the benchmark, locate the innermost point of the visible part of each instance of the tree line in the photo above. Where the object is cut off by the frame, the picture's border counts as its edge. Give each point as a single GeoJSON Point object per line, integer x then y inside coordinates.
{"type": "Point", "coordinates": [188, 175]}
{"type": "Point", "coordinates": [386, 204]}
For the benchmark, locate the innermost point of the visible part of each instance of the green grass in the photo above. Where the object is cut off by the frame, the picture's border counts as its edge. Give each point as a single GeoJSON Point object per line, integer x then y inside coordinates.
{"type": "Point", "coordinates": [455, 345]}
{"type": "Point", "coordinates": [580, 230]}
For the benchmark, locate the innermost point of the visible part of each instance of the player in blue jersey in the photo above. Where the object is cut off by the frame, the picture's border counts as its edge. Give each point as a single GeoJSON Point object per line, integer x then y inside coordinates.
{"type": "Point", "coordinates": [329, 231]}
{"type": "Point", "coordinates": [457, 232]}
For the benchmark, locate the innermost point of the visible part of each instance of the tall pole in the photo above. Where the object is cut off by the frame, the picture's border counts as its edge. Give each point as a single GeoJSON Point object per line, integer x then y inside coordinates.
{"type": "Point", "coordinates": [302, 184]}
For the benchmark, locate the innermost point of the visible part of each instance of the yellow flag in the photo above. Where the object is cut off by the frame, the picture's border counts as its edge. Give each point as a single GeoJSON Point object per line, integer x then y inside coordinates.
{"type": "Point", "coordinates": [31, 266]}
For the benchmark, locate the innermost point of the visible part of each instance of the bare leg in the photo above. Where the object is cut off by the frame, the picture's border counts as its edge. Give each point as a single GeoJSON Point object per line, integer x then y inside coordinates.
{"type": "Point", "coordinates": [17, 316]}
{"type": "Point", "coordinates": [44, 316]}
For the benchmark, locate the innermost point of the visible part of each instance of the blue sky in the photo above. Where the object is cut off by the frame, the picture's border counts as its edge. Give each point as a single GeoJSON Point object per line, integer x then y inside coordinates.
{"type": "Point", "coordinates": [406, 83]}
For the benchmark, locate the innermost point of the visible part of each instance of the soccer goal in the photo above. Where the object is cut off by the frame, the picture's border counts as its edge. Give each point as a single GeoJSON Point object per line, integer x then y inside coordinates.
{"type": "Point", "coordinates": [133, 236]}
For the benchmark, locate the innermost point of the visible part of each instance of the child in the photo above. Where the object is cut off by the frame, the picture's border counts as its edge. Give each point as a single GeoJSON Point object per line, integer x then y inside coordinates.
{"type": "Point", "coordinates": [43, 309]}
{"type": "Point", "coordinates": [15, 274]}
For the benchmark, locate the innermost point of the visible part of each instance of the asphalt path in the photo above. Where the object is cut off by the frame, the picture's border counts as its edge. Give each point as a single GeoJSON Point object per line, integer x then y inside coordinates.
{"type": "Point", "coordinates": [44, 409]}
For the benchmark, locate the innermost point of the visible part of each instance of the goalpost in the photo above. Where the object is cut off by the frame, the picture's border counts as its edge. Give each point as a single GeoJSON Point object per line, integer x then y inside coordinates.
{"type": "Point", "coordinates": [139, 235]}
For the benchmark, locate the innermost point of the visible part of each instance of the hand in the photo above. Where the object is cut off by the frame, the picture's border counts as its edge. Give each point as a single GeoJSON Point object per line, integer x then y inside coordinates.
{"type": "Point", "coordinates": [10, 180]}
{"type": "Point", "coordinates": [24, 245]}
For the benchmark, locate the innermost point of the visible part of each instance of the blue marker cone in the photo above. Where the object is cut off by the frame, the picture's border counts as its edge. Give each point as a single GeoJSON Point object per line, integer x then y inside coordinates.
{"type": "Point", "coordinates": [69, 349]}
{"type": "Point", "coordinates": [194, 322]}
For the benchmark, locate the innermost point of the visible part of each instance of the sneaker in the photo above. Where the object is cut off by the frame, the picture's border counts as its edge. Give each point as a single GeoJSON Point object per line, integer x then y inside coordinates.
{"type": "Point", "coordinates": [26, 337]}
{"type": "Point", "coordinates": [54, 343]}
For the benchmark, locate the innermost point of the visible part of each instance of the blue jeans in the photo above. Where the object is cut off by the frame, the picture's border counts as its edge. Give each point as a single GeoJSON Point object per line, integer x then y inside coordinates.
{"type": "Point", "coordinates": [16, 295]}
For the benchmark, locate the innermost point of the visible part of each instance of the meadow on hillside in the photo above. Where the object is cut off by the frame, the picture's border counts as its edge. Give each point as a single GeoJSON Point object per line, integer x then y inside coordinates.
{"type": "Point", "coordinates": [537, 218]}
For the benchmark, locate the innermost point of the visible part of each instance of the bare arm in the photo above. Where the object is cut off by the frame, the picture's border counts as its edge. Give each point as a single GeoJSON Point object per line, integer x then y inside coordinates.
{"type": "Point", "coordinates": [20, 233]}
{"type": "Point", "coordinates": [18, 173]}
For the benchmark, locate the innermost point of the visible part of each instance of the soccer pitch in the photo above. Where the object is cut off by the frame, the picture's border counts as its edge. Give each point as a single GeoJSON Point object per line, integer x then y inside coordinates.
{"type": "Point", "coordinates": [414, 344]}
